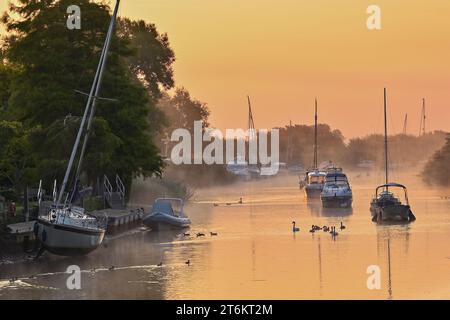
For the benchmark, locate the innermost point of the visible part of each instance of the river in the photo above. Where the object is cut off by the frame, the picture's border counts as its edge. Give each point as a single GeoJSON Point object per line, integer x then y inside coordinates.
{"type": "Point", "coordinates": [255, 254]}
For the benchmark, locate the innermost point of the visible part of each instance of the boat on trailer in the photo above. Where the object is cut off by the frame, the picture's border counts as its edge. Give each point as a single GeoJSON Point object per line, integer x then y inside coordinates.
{"type": "Point", "coordinates": [167, 213]}
{"type": "Point", "coordinates": [385, 206]}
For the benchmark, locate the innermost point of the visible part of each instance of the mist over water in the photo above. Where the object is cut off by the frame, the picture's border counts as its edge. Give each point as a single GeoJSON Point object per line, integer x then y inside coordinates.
{"type": "Point", "coordinates": [256, 255]}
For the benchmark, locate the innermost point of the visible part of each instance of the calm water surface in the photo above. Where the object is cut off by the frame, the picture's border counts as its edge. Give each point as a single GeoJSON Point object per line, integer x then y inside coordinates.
{"type": "Point", "coordinates": [256, 255]}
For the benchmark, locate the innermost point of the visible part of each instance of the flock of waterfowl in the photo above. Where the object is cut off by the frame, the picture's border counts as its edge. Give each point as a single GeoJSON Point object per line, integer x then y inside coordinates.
{"type": "Point", "coordinates": [316, 228]}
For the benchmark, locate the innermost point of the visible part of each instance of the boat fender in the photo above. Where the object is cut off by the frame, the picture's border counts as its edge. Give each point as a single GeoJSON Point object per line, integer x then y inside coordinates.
{"type": "Point", "coordinates": [44, 235]}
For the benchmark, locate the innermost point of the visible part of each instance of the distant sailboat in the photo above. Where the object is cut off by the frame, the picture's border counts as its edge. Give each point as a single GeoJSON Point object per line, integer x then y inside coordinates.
{"type": "Point", "coordinates": [314, 180]}
{"type": "Point", "coordinates": [385, 206]}
{"type": "Point", "coordinates": [67, 229]}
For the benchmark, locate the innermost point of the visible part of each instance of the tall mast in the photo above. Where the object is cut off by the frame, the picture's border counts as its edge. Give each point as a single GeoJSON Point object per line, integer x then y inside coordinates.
{"type": "Point", "coordinates": [424, 115]}
{"type": "Point", "coordinates": [97, 90]}
{"type": "Point", "coordinates": [386, 138]}
{"type": "Point", "coordinates": [95, 84]}
{"type": "Point", "coordinates": [423, 118]}
{"type": "Point", "coordinates": [315, 135]}
{"type": "Point", "coordinates": [405, 124]}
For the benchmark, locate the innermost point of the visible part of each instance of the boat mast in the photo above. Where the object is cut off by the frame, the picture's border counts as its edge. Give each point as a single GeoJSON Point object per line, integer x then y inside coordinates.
{"type": "Point", "coordinates": [95, 84]}
{"type": "Point", "coordinates": [405, 124]}
{"type": "Point", "coordinates": [315, 135]}
{"type": "Point", "coordinates": [97, 90]}
{"type": "Point", "coordinates": [386, 139]}
{"type": "Point", "coordinates": [423, 118]}
{"type": "Point", "coordinates": [251, 123]}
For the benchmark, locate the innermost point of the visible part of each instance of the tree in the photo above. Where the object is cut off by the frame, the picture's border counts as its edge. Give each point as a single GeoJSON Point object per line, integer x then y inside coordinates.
{"type": "Point", "coordinates": [55, 61]}
{"type": "Point", "coordinates": [16, 160]}
{"type": "Point", "coordinates": [182, 110]}
{"type": "Point", "coordinates": [152, 59]}
{"type": "Point", "coordinates": [437, 169]}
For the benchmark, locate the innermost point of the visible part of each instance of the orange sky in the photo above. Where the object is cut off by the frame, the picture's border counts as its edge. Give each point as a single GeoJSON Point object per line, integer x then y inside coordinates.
{"type": "Point", "coordinates": [284, 53]}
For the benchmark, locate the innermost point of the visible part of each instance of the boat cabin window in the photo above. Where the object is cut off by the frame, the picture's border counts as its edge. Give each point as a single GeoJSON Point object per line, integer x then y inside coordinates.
{"type": "Point", "coordinates": [338, 183]}
{"type": "Point", "coordinates": [313, 179]}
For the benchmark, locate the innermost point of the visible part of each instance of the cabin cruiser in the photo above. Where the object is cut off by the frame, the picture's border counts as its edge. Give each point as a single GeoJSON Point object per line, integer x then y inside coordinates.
{"type": "Point", "coordinates": [336, 191]}
{"type": "Point", "coordinates": [314, 183]}
{"type": "Point", "coordinates": [385, 206]}
{"type": "Point", "coordinates": [167, 213]}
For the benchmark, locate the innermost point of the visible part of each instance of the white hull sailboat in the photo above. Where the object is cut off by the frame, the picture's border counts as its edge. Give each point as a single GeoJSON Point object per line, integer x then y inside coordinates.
{"type": "Point", "coordinates": [69, 232]}
{"type": "Point", "coordinates": [66, 229]}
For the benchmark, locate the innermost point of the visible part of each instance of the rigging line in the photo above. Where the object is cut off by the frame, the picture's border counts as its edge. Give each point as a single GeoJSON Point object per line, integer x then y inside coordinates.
{"type": "Point", "coordinates": [80, 131]}
{"type": "Point", "coordinates": [97, 90]}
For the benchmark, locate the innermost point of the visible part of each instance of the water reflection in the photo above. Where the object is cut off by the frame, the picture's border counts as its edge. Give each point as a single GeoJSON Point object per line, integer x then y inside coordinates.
{"type": "Point", "coordinates": [256, 255]}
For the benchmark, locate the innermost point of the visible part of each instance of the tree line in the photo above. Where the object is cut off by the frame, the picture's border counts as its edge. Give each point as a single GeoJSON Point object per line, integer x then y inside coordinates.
{"type": "Point", "coordinates": [44, 67]}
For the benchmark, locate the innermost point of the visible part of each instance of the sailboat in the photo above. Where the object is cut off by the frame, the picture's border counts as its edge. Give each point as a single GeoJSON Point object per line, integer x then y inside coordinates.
{"type": "Point", "coordinates": [67, 229]}
{"type": "Point", "coordinates": [385, 206]}
{"type": "Point", "coordinates": [241, 165]}
{"type": "Point", "coordinates": [314, 180]}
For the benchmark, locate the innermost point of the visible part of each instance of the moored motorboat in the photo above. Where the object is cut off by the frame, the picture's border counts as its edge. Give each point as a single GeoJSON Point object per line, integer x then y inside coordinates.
{"type": "Point", "coordinates": [167, 213]}
{"type": "Point", "coordinates": [385, 206]}
{"type": "Point", "coordinates": [315, 181]}
{"type": "Point", "coordinates": [337, 192]}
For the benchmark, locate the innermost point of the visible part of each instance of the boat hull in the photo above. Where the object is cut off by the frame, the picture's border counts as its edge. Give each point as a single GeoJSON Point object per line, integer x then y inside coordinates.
{"type": "Point", "coordinates": [67, 240]}
{"type": "Point", "coordinates": [161, 221]}
{"type": "Point", "coordinates": [391, 213]}
{"type": "Point", "coordinates": [313, 191]}
{"type": "Point", "coordinates": [337, 201]}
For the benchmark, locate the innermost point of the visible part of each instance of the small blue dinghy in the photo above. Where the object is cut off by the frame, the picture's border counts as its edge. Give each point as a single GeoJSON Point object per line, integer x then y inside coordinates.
{"type": "Point", "coordinates": [167, 213]}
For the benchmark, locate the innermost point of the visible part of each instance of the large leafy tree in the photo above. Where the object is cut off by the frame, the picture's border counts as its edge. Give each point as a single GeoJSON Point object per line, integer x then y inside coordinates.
{"type": "Point", "coordinates": [54, 61]}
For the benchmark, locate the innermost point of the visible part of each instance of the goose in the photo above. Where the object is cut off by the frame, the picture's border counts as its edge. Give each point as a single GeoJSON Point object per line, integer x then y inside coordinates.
{"type": "Point", "coordinates": [294, 228]}
{"type": "Point", "coordinates": [240, 200]}
{"type": "Point", "coordinates": [188, 262]}
{"type": "Point", "coordinates": [342, 226]}
{"type": "Point", "coordinates": [213, 234]}
{"type": "Point", "coordinates": [159, 264]}
{"type": "Point", "coordinates": [111, 268]}
{"type": "Point", "coordinates": [312, 229]}
{"type": "Point", "coordinates": [199, 234]}
{"type": "Point", "coordinates": [186, 234]}
{"type": "Point", "coordinates": [216, 204]}
{"type": "Point", "coordinates": [334, 233]}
